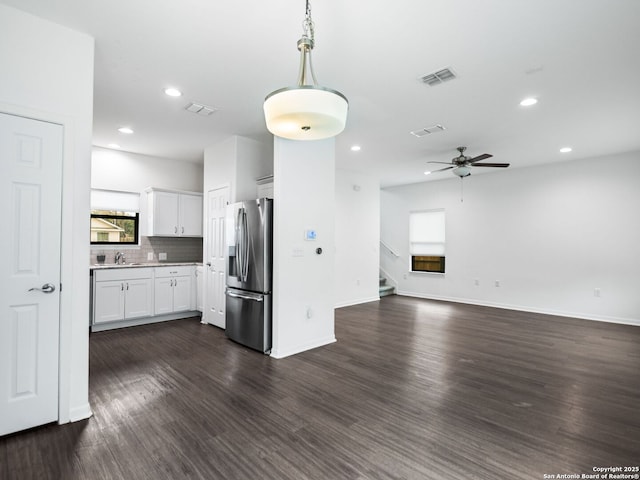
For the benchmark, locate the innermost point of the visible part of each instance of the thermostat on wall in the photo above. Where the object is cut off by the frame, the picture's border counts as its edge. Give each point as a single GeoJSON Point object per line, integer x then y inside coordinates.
{"type": "Point", "coordinates": [310, 234]}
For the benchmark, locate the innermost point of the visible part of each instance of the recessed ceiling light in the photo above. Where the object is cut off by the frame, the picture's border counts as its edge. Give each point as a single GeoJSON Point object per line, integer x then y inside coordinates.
{"type": "Point", "coordinates": [172, 92]}
{"type": "Point", "coordinates": [113, 145]}
{"type": "Point", "coordinates": [355, 148]}
{"type": "Point", "coordinates": [125, 130]}
{"type": "Point", "coordinates": [527, 102]}
{"type": "Point", "coordinates": [565, 149]}
{"type": "Point", "coordinates": [427, 173]}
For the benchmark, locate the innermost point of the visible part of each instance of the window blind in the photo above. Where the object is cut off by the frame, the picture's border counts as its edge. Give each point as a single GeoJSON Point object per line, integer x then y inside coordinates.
{"type": "Point", "coordinates": [427, 233]}
{"type": "Point", "coordinates": [113, 200]}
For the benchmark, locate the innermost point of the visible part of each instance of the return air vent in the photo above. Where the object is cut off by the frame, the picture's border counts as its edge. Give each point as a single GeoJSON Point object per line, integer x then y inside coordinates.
{"type": "Point", "coordinates": [433, 79]}
{"type": "Point", "coordinates": [428, 130]}
{"type": "Point", "coordinates": [200, 109]}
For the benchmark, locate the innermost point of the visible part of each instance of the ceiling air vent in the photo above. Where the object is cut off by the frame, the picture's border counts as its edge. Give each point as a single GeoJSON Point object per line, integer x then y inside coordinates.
{"type": "Point", "coordinates": [200, 109]}
{"type": "Point", "coordinates": [433, 79]}
{"type": "Point", "coordinates": [428, 130]}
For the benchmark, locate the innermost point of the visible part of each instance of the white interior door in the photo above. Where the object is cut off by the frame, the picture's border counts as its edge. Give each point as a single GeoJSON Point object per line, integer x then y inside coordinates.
{"type": "Point", "coordinates": [30, 193]}
{"type": "Point", "coordinates": [214, 312]}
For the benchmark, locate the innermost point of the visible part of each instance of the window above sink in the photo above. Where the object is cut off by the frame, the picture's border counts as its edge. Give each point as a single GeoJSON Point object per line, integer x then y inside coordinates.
{"type": "Point", "coordinates": [114, 228]}
{"type": "Point", "coordinates": [115, 217]}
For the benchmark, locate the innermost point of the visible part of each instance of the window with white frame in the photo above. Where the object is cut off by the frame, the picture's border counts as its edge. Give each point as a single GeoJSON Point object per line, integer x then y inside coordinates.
{"type": "Point", "coordinates": [427, 241]}
{"type": "Point", "coordinates": [115, 217]}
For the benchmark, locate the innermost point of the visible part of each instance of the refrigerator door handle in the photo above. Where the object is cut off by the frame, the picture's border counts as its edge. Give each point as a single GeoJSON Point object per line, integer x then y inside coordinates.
{"type": "Point", "coordinates": [238, 256]}
{"type": "Point", "coordinates": [245, 242]}
{"type": "Point", "coordinates": [245, 296]}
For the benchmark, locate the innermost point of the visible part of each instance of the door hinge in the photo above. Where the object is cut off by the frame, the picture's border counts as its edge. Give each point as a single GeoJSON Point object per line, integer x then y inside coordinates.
{"type": "Point", "coordinates": [60, 288]}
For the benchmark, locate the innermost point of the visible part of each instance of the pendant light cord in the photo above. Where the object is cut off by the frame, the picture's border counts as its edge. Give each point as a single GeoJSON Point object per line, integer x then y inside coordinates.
{"type": "Point", "coordinates": [305, 45]}
{"type": "Point", "coordinates": [307, 25]}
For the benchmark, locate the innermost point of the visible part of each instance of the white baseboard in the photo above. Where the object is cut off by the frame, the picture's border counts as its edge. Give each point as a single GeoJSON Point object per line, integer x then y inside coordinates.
{"type": "Point", "coordinates": [282, 353]}
{"type": "Point", "coordinates": [521, 308]}
{"type": "Point", "coordinates": [357, 302]}
{"type": "Point", "coordinates": [99, 327]}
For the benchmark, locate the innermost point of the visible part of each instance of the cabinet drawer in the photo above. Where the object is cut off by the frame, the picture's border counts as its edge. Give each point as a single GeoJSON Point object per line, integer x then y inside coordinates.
{"type": "Point", "coordinates": [127, 273]}
{"type": "Point", "coordinates": [180, 270]}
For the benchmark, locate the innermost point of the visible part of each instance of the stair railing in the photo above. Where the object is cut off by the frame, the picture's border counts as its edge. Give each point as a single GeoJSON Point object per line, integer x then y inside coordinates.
{"type": "Point", "coordinates": [389, 249]}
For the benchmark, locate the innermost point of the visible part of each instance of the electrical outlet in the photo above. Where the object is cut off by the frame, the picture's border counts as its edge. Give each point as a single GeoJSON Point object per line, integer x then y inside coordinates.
{"type": "Point", "coordinates": [497, 283]}
{"type": "Point", "coordinates": [162, 256]}
{"type": "Point", "coordinates": [150, 256]}
{"type": "Point", "coordinates": [596, 292]}
{"type": "Point", "coordinates": [476, 282]}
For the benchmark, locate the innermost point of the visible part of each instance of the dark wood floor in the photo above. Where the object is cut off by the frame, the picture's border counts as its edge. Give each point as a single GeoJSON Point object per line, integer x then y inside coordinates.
{"type": "Point", "coordinates": [413, 389]}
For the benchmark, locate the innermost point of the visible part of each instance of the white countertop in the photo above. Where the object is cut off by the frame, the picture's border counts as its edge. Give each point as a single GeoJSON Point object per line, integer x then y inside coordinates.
{"type": "Point", "coordinates": [105, 266]}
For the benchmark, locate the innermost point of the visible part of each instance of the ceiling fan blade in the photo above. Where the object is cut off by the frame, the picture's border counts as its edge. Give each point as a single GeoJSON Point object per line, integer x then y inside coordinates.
{"type": "Point", "coordinates": [442, 169]}
{"type": "Point", "coordinates": [444, 163]}
{"type": "Point", "coordinates": [503, 165]}
{"type": "Point", "coordinates": [480, 157]}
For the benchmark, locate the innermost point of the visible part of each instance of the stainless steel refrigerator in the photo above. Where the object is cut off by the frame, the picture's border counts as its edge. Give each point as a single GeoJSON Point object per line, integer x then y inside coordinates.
{"type": "Point", "coordinates": [248, 243]}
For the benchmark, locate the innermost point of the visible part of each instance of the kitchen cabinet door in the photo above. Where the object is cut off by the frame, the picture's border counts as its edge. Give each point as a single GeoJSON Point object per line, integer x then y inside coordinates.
{"type": "Point", "coordinates": [163, 302]}
{"type": "Point", "coordinates": [190, 215]}
{"type": "Point", "coordinates": [164, 208]}
{"type": "Point", "coordinates": [138, 298]}
{"type": "Point", "coordinates": [182, 294]}
{"type": "Point", "coordinates": [108, 305]}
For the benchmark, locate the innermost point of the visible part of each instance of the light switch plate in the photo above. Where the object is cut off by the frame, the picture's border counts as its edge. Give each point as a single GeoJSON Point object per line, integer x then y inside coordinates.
{"type": "Point", "coordinates": [162, 256]}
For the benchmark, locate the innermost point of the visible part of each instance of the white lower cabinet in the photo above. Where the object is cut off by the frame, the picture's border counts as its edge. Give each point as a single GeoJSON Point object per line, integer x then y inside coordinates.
{"type": "Point", "coordinates": [133, 296]}
{"type": "Point", "coordinates": [174, 289]}
{"type": "Point", "coordinates": [138, 298]}
{"type": "Point", "coordinates": [121, 294]}
{"type": "Point", "coordinates": [200, 289]}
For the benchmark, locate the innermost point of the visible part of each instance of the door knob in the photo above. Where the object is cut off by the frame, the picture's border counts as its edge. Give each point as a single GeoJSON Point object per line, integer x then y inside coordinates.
{"type": "Point", "coordinates": [46, 288]}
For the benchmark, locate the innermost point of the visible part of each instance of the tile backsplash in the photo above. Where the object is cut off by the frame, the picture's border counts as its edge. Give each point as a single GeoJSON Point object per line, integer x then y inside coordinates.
{"type": "Point", "coordinates": [177, 249]}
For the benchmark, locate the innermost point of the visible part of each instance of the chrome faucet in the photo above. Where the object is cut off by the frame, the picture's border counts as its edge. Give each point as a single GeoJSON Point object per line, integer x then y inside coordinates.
{"type": "Point", "coordinates": [119, 256]}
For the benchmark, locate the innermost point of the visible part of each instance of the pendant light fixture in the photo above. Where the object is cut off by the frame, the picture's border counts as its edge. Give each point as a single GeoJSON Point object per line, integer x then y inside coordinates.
{"type": "Point", "coordinates": [306, 111]}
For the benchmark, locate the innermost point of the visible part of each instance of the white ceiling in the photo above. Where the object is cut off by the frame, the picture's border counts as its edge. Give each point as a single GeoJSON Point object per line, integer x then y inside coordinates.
{"type": "Point", "coordinates": [580, 58]}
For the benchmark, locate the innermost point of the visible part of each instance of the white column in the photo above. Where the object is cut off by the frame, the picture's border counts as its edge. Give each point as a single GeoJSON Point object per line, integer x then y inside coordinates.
{"type": "Point", "coordinates": [304, 202]}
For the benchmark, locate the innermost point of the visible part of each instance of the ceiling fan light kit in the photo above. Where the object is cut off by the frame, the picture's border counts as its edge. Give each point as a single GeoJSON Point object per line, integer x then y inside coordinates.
{"type": "Point", "coordinates": [306, 111]}
{"type": "Point", "coordinates": [462, 165]}
{"type": "Point", "coordinates": [462, 171]}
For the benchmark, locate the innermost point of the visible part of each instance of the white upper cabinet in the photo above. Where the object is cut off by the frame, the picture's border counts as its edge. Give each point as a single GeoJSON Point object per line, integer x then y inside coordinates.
{"type": "Point", "coordinates": [190, 215]}
{"type": "Point", "coordinates": [173, 214]}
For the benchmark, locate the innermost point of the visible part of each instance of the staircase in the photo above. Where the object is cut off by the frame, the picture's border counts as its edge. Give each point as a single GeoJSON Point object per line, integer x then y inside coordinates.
{"type": "Point", "coordinates": [385, 289]}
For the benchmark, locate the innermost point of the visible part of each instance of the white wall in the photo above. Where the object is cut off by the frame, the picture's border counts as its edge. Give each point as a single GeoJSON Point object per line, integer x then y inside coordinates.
{"type": "Point", "coordinates": [237, 162]}
{"type": "Point", "coordinates": [357, 237]}
{"type": "Point", "coordinates": [550, 235]}
{"type": "Point", "coordinates": [220, 167]}
{"type": "Point", "coordinates": [254, 160]}
{"type": "Point", "coordinates": [132, 172]}
{"type": "Point", "coordinates": [47, 73]}
{"type": "Point", "coordinates": [304, 198]}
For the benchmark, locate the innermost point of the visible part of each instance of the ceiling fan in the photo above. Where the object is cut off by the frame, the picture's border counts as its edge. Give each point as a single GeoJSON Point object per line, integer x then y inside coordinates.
{"type": "Point", "coordinates": [462, 164]}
